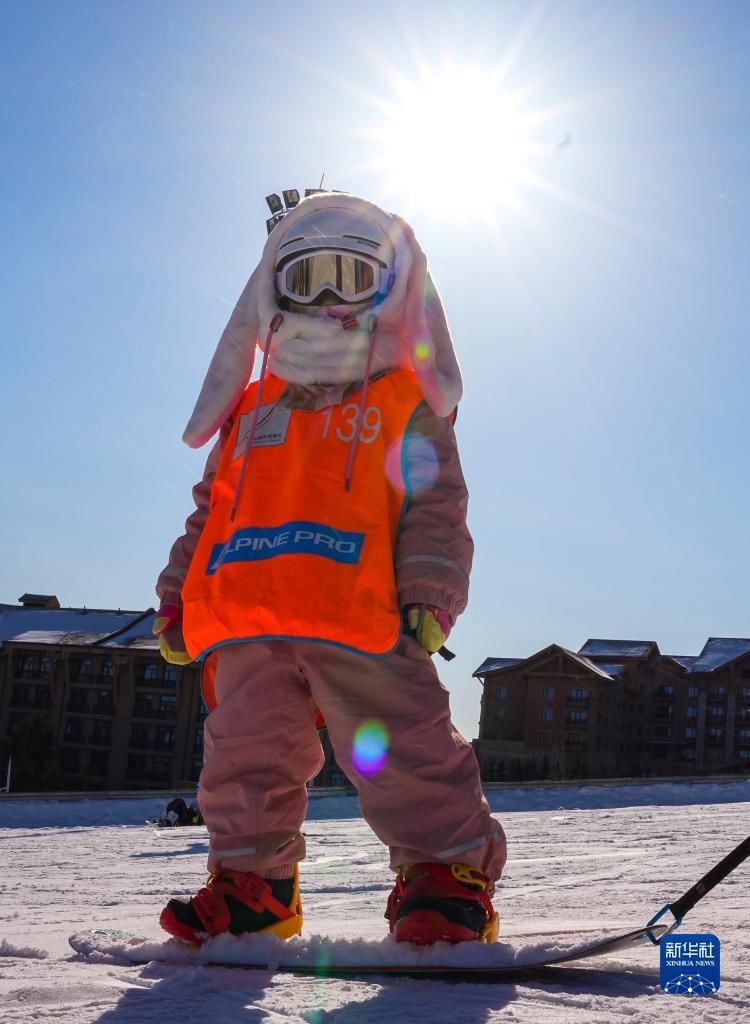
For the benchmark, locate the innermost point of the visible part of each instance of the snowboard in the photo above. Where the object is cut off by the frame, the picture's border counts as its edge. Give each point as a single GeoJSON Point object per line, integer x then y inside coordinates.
{"type": "Point", "coordinates": [343, 959]}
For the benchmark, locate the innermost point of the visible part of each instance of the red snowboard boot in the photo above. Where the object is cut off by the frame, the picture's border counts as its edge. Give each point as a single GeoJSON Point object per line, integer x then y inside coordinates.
{"type": "Point", "coordinates": [434, 902]}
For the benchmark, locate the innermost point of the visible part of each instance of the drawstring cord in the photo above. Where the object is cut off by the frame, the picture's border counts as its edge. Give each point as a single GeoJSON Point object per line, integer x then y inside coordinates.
{"type": "Point", "coordinates": [273, 328]}
{"type": "Point", "coordinates": [372, 323]}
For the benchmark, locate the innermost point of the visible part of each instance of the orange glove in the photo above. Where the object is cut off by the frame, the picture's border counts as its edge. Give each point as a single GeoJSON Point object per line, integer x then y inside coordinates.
{"type": "Point", "coordinates": [168, 627]}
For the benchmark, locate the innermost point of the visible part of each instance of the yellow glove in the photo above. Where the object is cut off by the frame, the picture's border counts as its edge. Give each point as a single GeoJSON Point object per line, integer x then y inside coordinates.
{"type": "Point", "coordinates": [168, 627]}
{"type": "Point", "coordinates": [430, 625]}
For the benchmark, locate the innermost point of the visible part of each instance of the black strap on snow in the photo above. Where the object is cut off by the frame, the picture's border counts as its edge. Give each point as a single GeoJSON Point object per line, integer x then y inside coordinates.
{"type": "Point", "coordinates": [717, 873]}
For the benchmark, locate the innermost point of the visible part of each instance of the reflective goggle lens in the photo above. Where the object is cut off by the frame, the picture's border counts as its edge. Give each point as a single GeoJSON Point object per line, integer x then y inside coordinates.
{"type": "Point", "coordinates": [349, 276]}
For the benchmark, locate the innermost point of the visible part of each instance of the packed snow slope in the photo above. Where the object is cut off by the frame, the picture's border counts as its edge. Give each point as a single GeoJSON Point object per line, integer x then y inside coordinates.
{"type": "Point", "coordinates": [581, 860]}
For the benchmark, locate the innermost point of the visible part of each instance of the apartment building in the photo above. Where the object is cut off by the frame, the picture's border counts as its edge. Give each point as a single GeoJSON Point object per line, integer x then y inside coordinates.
{"type": "Point", "coordinates": [87, 702]}
{"type": "Point", "coordinates": [615, 708]}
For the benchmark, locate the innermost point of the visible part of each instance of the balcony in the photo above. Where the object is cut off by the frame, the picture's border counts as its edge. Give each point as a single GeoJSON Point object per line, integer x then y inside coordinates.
{"type": "Point", "coordinates": [33, 674]}
{"type": "Point", "coordinates": [31, 703]}
{"type": "Point", "coordinates": [91, 679]}
{"type": "Point", "coordinates": [75, 737]}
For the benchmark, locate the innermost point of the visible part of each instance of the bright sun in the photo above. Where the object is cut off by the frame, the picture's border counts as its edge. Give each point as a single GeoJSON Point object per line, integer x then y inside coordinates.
{"type": "Point", "coordinates": [455, 132]}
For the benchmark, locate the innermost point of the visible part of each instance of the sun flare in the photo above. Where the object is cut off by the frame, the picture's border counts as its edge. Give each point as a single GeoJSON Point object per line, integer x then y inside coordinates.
{"type": "Point", "coordinates": [456, 132]}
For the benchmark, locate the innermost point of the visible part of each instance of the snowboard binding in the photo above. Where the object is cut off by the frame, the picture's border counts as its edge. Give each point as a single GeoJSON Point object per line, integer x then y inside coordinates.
{"type": "Point", "coordinates": [237, 902]}
{"type": "Point", "coordinates": [434, 902]}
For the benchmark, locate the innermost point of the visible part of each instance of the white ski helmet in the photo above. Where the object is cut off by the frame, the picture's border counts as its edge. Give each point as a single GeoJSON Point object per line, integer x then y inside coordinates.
{"type": "Point", "coordinates": [334, 254]}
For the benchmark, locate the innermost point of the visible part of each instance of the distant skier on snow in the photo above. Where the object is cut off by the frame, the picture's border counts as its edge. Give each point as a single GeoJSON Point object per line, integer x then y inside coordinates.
{"type": "Point", "coordinates": [180, 813]}
{"type": "Point", "coordinates": [328, 557]}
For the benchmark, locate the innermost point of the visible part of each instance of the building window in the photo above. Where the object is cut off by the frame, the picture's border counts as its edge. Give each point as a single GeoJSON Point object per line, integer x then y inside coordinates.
{"type": "Point", "coordinates": [142, 707]}
{"type": "Point", "coordinates": [663, 711]}
{"type": "Point", "coordinates": [104, 702]}
{"type": "Point", "coordinates": [25, 667]}
{"type": "Point", "coordinates": [136, 766]}
{"type": "Point", "coordinates": [664, 691]}
{"type": "Point", "coordinates": [717, 692]}
{"type": "Point", "coordinates": [164, 738]}
{"type": "Point", "coordinates": [577, 716]}
{"type": "Point", "coordinates": [548, 693]}
{"type": "Point", "coordinates": [150, 671]}
{"type": "Point", "coordinates": [498, 713]}
{"type": "Point", "coordinates": [662, 731]}
{"type": "Point", "coordinates": [692, 691]}
{"type": "Point", "coordinates": [170, 673]}
{"type": "Point", "coordinates": [139, 736]}
{"type": "Point", "coordinates": [546, 714]}
{"type": "Point", "coordinates": [98, 762]}
{"type": "Point", "coordinates": [108, 670]}
{"type": "Point", "coordinates": [690, 733]}
{"type": "Point", "coordinates": [102, 731]}
{"type": "Point", "coordinates": [692, 712]}
{"type": "Point", "coordinates": [73, 731]}
{"type": "Point", "coordinates": [167, 707]}
{"type": "Point", "coordinates": [78, 699]}
{"type": "Point", "coordinates": [578, 694]}
{"type": "Point", "coordinates": [746, 692]}
{"type": "Point", "coordinates": [45, 667]}
{"type": "Point", "coordinates": [85, 670]}
{"type": "Point", "coordinates": [160, 769]}
{"type": "Point", "coordinates": [714, 734]}
{"type": "Point", "coordinates": [745, 734]}
{"type": "Point", "coordinates": [744, 754]}
{"type": "Point", "coordinates": [716, 712]}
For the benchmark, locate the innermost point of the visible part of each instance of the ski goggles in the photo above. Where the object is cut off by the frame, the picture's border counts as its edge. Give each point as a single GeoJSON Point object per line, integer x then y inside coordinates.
{"type": "Point", "coordinates": [351, 277]}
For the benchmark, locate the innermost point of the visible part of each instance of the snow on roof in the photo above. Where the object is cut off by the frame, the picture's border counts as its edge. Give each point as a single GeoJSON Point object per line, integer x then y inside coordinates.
{"type": "Point", "coordinates": [73, 625]}
{"type": "Point", "coordinates": [598, 670]}
{"type": "Point", "coordinates": [612, 668]}
{"type": "Point", "coordinates": [686, 660]}
{"type": "Point", "coordinates": [496, 665]}
{"type": "Point", "coordinates": [618, 648]}
{"type": "Point", "coordinates": [720, 651]}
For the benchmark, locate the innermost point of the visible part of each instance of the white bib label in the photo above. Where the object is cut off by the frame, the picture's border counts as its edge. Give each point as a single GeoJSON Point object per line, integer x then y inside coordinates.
{"type": "Point", "coordinates": [272, 428]}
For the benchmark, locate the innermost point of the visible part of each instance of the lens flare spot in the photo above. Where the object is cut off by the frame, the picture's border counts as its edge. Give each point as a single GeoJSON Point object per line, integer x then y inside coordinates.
{"type": "Point", "coordinates": [421, 462]}
{"type": "Point", "coordinates": [371, 741]}
{"type": "Point", "coordinates": [422, 351]}
{"type": "Point", "coordinates": [416, 457]}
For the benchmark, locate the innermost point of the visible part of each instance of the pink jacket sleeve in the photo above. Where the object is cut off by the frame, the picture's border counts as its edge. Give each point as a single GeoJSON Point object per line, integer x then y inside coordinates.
{"type": "Point", "coordinates": [172, 576]}
{"type": "Point", "coordinates": [434, 548]}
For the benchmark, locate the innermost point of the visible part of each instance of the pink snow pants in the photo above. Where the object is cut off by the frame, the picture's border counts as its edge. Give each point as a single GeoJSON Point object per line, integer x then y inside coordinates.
{"type": "Point", "coordinates": [261, 748]}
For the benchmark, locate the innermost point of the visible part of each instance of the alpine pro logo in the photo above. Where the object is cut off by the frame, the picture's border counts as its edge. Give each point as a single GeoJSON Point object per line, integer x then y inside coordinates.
{"type": "Point", "coordinates": [255, 543]}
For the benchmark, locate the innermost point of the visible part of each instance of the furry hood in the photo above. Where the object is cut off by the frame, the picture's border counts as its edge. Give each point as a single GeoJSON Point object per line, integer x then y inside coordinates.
{"type": "Point", "coordinates": [411, 331]}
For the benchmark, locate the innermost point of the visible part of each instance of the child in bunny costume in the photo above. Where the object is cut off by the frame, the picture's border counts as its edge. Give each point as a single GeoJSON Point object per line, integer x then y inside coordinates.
{"type": "Point", "coordinates": [326, 560]}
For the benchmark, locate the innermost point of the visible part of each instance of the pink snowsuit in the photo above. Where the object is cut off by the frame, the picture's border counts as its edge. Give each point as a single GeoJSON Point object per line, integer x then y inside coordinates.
{"type": "Point", "coordinates": [261, 746]}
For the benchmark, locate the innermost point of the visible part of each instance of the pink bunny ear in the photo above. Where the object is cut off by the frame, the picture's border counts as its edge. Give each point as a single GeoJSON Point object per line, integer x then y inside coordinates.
{"type": "Point", "coordinates": [229, 371]}
{"type": "Point", "coordinates": [428, 336]}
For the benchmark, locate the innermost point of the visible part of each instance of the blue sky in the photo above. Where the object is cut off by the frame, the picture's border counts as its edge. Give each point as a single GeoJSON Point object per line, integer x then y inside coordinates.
{"type": "Point", "coordinates": [599, 305]}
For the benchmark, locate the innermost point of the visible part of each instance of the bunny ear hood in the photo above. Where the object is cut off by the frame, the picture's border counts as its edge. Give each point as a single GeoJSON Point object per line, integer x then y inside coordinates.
{"type": "Point", "coordinates": [412, 331]}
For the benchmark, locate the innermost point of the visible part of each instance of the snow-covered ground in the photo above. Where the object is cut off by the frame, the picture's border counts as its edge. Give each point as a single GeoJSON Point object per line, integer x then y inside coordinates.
{"type": "Point", "coordinates": [581, 859]}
